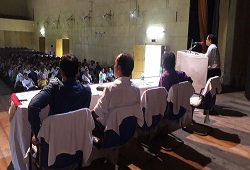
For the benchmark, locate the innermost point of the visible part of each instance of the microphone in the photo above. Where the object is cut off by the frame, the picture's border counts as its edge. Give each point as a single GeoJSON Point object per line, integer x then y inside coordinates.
{"type": "Point", "coordinates": [198, 43]}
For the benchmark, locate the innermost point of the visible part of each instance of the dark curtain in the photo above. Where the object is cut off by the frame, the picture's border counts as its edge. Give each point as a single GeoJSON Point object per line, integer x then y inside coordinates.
{"type": "Point", "coordinates": [203, 20]}
{"type": "Point", "coordinates": [240, 46]}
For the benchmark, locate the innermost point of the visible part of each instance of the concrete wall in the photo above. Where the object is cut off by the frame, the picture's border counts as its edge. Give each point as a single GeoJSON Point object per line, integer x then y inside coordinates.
{"type": "Point", "coordinates": [121, 31]}
{"type": "Point", "coordinates": [13, 7]}
{"type": "Point", "coordinates": [16, 33]}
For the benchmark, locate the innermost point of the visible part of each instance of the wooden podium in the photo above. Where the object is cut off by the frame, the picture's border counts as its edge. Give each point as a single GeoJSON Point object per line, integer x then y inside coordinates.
{"type": "Point", "coordinates": [194, 65]}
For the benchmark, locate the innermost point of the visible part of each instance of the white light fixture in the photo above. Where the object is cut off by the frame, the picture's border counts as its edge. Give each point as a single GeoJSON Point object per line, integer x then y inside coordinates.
{"type": "Point", "coordinates": [155, 32]}
{"type": "Point", "coordinates": [135, 13]}
{"type": "Point", "coordinates": [42, 31]}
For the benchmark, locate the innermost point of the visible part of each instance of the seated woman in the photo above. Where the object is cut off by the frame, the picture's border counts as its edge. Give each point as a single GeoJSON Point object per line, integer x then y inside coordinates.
{"type": "Point", "coordinates": [104, 76]}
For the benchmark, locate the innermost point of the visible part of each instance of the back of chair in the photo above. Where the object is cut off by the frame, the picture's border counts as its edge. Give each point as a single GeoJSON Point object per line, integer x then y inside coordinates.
{"type": "Point", "coordinates": [66, 138]}
{"type": "Point", "coordinates": [153, 104]}
{"type": "Point", "coordinates": [179, 100]}
{"type": "Point", "coordinates": [126, 132]}
{"type": "Point", "coordinates": [121, 125]}
{"type": "Point", "coordinates": [213, 86]}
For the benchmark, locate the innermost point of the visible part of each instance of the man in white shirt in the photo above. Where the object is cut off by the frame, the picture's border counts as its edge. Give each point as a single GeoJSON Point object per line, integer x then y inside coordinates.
{"type": "Point", "coordinates": [86, 77]}
{"type": "Point", "coordinates": [116, 95]}
{"type": "Point", "coordinates": [213, 55]}
{"type": "Point", "coordinates": [28, 83]}
{"type": "Point", "coordinates": [19, 76]}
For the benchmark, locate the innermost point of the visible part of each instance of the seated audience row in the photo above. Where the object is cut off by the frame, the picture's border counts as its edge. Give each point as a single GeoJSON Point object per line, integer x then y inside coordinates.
{"type": "Point", "coordinates": [40, 68]}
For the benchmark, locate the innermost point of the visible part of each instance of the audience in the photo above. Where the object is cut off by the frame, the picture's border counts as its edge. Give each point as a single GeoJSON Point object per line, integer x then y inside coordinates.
{"type": "Point", "coordinates": [40, 67]}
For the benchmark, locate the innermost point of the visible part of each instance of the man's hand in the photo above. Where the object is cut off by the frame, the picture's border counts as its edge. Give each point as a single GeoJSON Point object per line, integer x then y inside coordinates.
{"type": "Point", "coordinates": [35, 141]}
{"type": "Point", "coordinates": [93, 114]}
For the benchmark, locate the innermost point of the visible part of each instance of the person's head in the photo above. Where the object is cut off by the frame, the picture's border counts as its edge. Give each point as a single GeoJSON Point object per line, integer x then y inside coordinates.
{"type": "Point", "coordinates": [211, 39]}
{"type": "Point", "coordinates": [69, 66]}
{"type": "Point", "coordinates": [25, 76]}
{"type": "Point", "coordinates": [124, 65]}
{"type": "Point", "coordinates": [103, 70]}
{"type": "Point", "coordinates": [168, 61]}
{"type": "Point", "coordinates": [86, 71]}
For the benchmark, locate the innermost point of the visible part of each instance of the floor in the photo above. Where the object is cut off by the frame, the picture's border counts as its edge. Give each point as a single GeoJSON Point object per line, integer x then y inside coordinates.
{"type": "Point", "coordinates": [227, 147]}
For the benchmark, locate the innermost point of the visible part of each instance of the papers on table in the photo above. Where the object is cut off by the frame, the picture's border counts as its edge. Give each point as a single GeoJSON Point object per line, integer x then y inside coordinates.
{"type": "Point", "coordinates": [25, 97]}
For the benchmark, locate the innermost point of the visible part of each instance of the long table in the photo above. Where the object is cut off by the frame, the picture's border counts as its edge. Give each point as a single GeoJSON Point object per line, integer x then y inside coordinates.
{"type": "Point", "coordinates": [20, 130]}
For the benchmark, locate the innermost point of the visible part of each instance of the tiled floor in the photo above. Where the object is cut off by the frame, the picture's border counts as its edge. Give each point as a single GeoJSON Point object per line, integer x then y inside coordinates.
{"type": "Point", "coordinates": [227, 147]}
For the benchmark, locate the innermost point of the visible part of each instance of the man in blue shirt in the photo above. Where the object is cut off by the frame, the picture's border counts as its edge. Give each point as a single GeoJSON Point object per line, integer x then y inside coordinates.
{"type": "Point", "coordinates": [62, 97]}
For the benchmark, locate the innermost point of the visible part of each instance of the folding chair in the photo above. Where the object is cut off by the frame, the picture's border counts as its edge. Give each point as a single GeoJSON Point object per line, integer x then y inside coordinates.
{"type": "Point", "coordinates": [119, 130]}
{"type": "Point", "coordinates": [204, 100]}
{"type": "Point", "coordinates": [66, 140]}
{"type": "Point", "coordinates": [153, 104]}
{"type": "Point", "coordinates": [178, 107]}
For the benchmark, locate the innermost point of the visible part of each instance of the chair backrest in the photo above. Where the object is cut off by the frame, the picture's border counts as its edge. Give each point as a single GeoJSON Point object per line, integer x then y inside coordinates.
{"type": "Point", "coordinates": [66, 138]}
{"type": "Point", "coordinates": [213, 86]}
{"type": "Point", "coordinates": [153, 104]}
{"type": "Point", "coordinates": [179, 100]}
{"type": "Point", "coordinates": [121, 124]}
{"type": "Point", "coordinates": [126, 132]}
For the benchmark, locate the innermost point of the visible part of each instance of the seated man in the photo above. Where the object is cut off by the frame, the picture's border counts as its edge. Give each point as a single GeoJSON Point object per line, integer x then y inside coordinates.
{"type": "Point", "coordinates": [86, 77]}
{"type": "Point", "coordinates": [116, 95]}
{"type": "Point", "coordinates": [62, 97]}
{"type": "Point", "coordinates": [171, 76]}
{"type": "Point", "coordinates": [110, 75]}
{"type": "Point", "coordinates": [28, 83]}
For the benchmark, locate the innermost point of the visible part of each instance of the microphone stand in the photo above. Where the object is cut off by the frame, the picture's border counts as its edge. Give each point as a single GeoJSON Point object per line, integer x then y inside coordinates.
{"type": "Point", "coordinates": [192, 47]}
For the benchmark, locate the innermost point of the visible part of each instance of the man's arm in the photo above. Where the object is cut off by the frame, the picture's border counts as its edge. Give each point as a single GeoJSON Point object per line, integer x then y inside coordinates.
{"type": "Point", "coordinates": [102, 106]}
{"type": "Point", "coordinates": [38, 102]}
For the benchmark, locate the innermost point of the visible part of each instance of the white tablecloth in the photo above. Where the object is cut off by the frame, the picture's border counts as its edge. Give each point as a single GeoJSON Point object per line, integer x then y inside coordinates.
{"type": "Point", "coordinates": [194, 65]}
{"type": "Point", "coordinates": [20, 131]}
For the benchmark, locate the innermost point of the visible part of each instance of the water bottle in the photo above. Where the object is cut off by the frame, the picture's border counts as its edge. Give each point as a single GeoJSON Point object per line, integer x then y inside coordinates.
{"type": "Point", "coordinates": [160, 71]}
{"type": "Point", "coordinates": [142, 78]}
{"type": "Point", "coordinates": [100, 78]}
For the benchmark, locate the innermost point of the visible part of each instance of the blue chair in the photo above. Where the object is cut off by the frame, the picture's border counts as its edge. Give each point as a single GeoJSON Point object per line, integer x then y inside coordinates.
{"type": "Point", "coordinates": [204, 100]}
{"type": "Point", "coordinates": [70, 143]}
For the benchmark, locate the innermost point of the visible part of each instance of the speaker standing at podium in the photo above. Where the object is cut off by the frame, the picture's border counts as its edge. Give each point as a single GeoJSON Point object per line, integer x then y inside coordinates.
{"type": "Point", "coordinates": [213, 55]}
